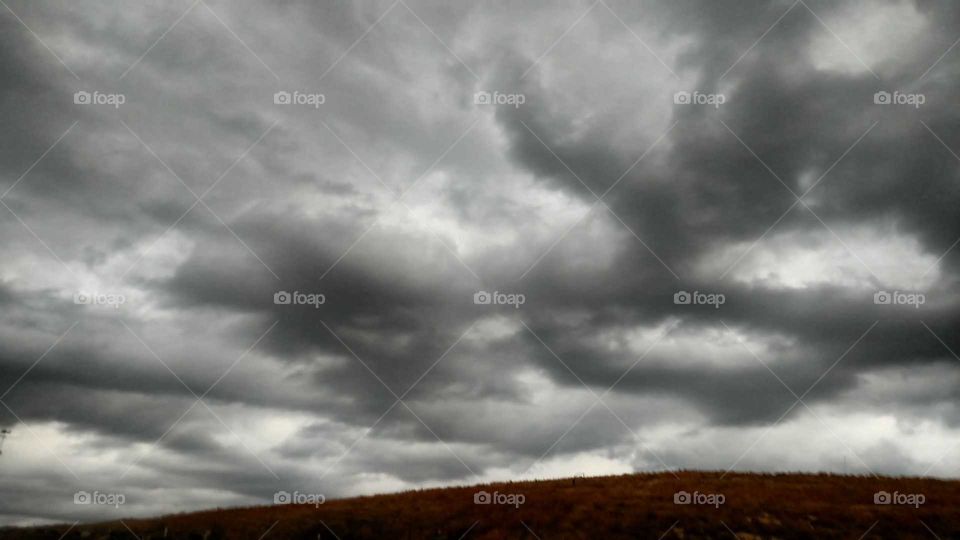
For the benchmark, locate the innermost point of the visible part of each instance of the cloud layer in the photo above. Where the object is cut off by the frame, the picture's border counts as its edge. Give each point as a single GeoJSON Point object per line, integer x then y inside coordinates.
{"type": "Point", "coordinates": [793, 166]}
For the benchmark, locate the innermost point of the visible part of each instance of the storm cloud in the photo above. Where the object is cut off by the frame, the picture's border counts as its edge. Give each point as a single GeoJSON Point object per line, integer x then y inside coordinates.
{"type": "Point", "coordinates": [346, 248]}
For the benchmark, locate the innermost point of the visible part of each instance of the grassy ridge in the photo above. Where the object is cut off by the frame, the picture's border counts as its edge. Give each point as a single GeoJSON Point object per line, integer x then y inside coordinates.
{"type": "Point", "coordinates": [753, 506]}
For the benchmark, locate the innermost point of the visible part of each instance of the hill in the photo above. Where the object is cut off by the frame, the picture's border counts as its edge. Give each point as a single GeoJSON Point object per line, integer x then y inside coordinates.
{"type": "Point", "coordinates": [746, 506]}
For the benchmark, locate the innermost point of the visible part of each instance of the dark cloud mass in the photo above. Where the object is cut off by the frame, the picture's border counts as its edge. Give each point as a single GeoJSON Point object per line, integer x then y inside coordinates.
{"type": "Point", "coordinates": [812, 182]}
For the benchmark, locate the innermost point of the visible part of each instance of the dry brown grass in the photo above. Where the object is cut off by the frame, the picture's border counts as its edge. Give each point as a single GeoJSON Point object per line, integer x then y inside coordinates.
{"type": "Point", "coordinates": [782, 506]}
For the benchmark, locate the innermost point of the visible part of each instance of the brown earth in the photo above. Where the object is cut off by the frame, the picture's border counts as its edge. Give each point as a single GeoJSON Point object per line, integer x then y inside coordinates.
{"type": "Point", "coordinates": [754, 506]}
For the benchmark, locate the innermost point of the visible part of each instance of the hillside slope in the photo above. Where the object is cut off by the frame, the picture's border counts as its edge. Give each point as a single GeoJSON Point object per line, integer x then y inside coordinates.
{"type": "Point", "coordinates": [750, 506]}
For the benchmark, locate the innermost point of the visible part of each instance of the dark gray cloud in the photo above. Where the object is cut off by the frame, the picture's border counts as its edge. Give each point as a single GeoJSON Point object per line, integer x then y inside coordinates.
{"type": "Point", "coordinates": [399, 197]}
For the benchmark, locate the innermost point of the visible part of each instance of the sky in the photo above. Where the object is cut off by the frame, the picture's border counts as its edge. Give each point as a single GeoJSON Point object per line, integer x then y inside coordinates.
{"type": "Point", "coordinates": [340, 248]}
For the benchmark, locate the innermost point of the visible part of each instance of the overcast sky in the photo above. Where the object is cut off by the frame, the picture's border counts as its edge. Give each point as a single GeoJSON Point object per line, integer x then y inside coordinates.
{"type": "Point", "coordinates": [723, 235]}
